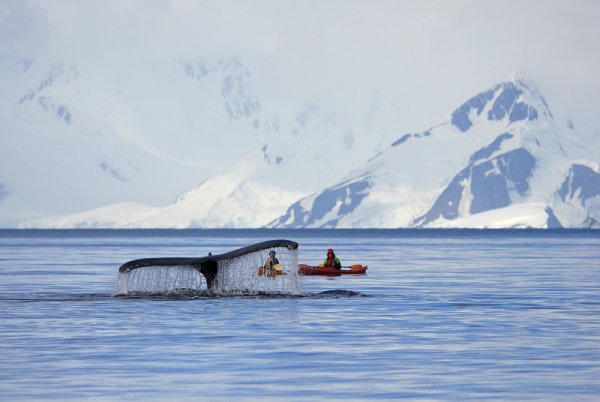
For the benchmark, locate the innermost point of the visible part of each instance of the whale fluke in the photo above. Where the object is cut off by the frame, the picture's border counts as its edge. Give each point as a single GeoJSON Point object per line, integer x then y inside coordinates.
{"type": "Point", "coordinates": [208, 266]}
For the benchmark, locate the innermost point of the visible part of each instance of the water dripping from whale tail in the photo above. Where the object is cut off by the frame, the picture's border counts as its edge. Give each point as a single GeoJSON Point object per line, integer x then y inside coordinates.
{"type": "Point", "coordinates": [235, 272]}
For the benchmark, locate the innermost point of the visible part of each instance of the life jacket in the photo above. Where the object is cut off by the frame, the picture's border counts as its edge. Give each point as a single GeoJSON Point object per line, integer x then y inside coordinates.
{"type": "Point", "coordinates": [332, 262]}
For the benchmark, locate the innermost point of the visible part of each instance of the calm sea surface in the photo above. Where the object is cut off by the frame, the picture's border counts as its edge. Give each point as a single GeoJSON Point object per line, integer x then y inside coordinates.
{"type": "Point", "coordinates": [440, 315]}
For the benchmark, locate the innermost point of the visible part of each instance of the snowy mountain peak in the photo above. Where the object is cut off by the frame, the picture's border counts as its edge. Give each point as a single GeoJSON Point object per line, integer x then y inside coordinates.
{"type": "Point", "coordinates": [236, 91]}
{"type": "Point", "coordinates": [44, 92]}
{"type": "Point", "coordinates": [511, 101]}
{"type": "Point", "coordinates": [501, 174]}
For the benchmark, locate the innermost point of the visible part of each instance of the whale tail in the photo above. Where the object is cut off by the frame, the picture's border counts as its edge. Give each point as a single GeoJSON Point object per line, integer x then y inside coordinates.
{"type": "Point", "coordinates": [235, 271]}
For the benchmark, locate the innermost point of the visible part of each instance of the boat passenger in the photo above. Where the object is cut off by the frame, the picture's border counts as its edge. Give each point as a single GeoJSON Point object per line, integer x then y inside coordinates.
{"type": "Point", "coordinates": [332, 260]}
{"type": "Point", "coordinates": [271, 261]}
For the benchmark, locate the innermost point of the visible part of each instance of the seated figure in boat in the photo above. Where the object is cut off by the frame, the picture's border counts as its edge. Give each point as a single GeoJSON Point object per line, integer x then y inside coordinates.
{"type": "Point", "coordinates": [331, 260]}
{"type": "Point", "coordinates": [271, 260]}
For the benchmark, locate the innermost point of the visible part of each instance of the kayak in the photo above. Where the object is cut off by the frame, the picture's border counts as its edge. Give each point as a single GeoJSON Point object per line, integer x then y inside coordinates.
{"type": "Point", "coordinates": [276, 270]}
{"type": "Point", "coordinates": [304, 269]}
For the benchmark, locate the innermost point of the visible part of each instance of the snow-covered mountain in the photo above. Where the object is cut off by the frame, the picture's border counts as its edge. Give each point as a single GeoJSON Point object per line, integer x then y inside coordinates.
{"type": "Point", "coordinates": [78, 136]}
{"type": "Point", "coordinates": [502, 160]}
{"type": "Point", "coordinates": [231, 199]}
{"type": "Point", "coordinates": [91, 137]}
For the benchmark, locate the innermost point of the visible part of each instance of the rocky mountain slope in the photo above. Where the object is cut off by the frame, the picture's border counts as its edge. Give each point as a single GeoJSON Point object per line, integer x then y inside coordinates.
{"type": "Point", "coordinates": [501, 151]}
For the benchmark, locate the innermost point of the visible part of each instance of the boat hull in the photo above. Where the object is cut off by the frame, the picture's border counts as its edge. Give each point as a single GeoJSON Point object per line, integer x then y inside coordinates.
{"type": "Point", "coordinates": [276, 270]}
{"type": "Point", "coordinates": [304, 269]}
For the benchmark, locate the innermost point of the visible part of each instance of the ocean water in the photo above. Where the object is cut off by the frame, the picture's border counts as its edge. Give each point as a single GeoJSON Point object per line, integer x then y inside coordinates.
{"type": "Point", "coordinates": [440, 315]}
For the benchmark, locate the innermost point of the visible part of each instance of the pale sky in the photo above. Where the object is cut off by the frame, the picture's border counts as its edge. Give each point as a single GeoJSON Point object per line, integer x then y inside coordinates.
{"type": "Point", "coordinates": [429, 55]}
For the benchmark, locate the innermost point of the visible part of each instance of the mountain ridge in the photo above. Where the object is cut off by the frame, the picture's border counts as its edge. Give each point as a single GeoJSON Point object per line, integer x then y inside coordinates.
{"type": "Point", "coordinates": [519, 138]}
{"type": "Point", "coordinates": [82, 135]}
{"type": "Point", "coordinates": [499, 149]}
